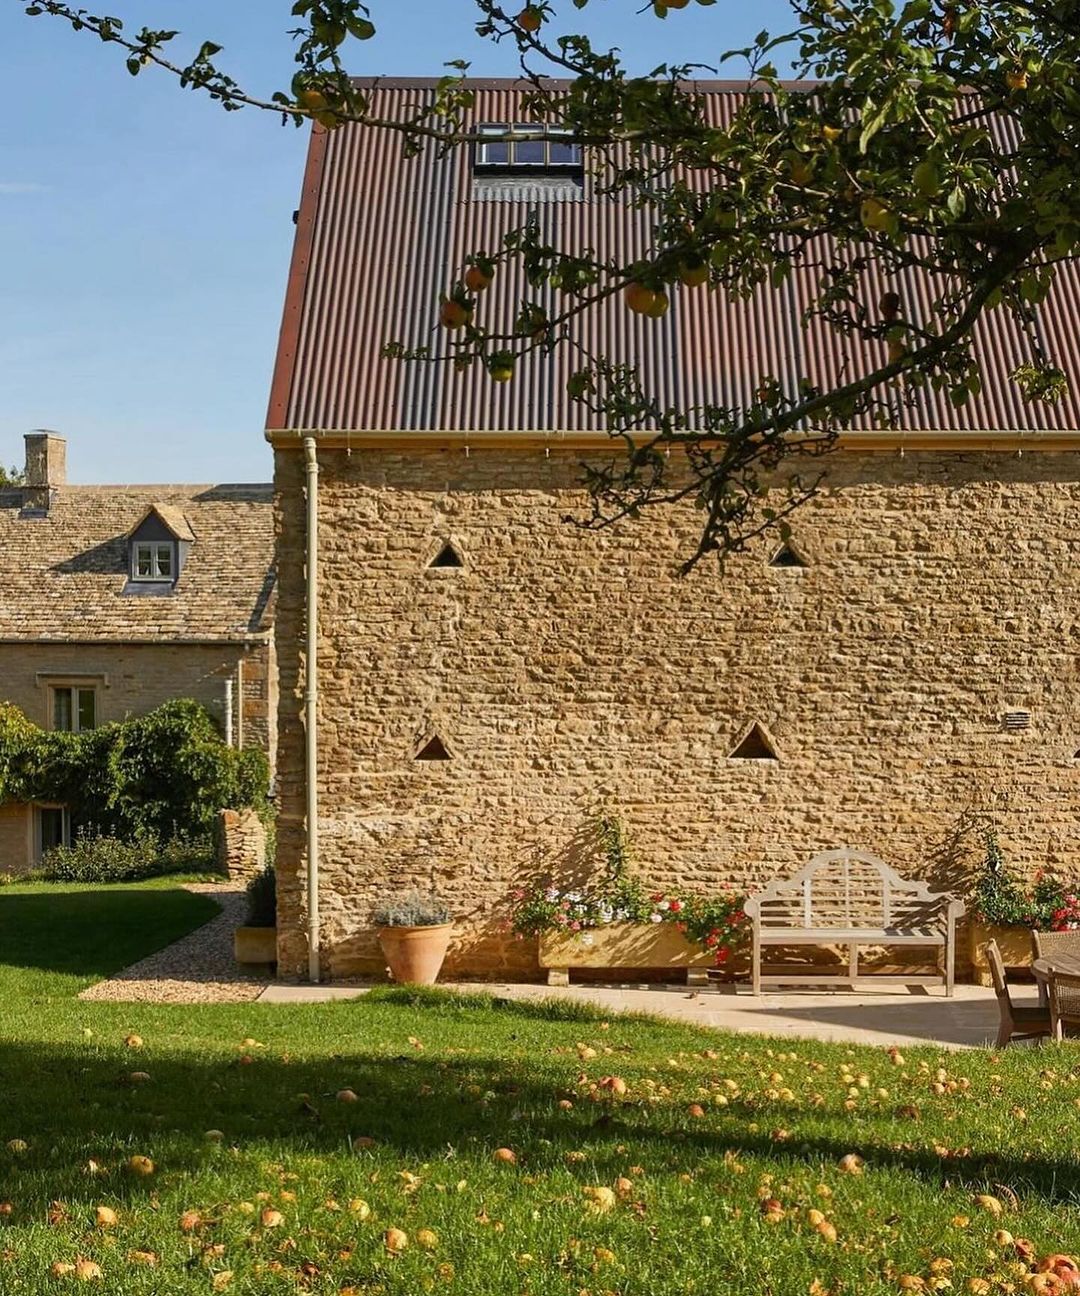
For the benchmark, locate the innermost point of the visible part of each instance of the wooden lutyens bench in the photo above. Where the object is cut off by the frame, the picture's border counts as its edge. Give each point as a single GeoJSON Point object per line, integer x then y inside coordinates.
{"type": "Point", "coordinates": [851, 898]}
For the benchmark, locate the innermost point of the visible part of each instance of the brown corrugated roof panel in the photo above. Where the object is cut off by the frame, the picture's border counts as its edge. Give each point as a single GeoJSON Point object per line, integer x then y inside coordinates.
{"type": "Point", "coordinates": [380, 236]}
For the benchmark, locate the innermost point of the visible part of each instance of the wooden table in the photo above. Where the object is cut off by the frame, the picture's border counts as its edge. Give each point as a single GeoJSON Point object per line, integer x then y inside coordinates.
{"type": "Point", "coordinates": [1044, 968]}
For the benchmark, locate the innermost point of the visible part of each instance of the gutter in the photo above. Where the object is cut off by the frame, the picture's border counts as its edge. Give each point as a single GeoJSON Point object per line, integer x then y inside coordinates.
{"type": "Point", "coordinates": [311, 699]}
{"type": "Point", "coordinates": [851, 439]}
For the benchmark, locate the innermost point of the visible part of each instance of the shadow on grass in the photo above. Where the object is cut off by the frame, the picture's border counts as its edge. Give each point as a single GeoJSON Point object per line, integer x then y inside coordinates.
{"type": "Point", "coordinates": [94, 932]}
{"type": "Point", "coordinates": [556, 1008]}
{"type": "Point", "coordinates": [497, 1081]}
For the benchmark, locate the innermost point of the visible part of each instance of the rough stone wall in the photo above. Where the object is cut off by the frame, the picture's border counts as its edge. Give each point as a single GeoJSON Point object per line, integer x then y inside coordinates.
{"type": "Point", "coordinates": [135, 678]}
{"type": "Point", "coordinates": [14, 838]}
{"type": "Point", "coordinates": [259, 700]}
{"type": "Point", "coordinates": [567, 670]}
{"type": "Point", "coordinates": [240, 843]}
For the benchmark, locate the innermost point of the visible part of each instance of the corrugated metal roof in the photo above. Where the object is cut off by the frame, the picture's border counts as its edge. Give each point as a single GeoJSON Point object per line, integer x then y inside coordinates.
{"type": "Point", "coordinates": [380, 236]}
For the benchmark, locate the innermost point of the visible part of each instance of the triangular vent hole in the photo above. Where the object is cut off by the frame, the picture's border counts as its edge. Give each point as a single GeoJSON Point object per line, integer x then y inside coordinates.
{"type": "Point", "coordinates": [447, 556]}
{"type": "Point", "coordinates": [755, 746]}
{"type": "Point", "coordinates": [434, 749]}
{"type": "Point", "coordinates": [785, 556]}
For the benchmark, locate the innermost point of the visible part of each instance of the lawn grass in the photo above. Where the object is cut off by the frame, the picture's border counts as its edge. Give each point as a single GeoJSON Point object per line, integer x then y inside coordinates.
{"type": "Point", "coordinates": [299, 1190]}
{"type": "Point", "coordinates": [59, 937]}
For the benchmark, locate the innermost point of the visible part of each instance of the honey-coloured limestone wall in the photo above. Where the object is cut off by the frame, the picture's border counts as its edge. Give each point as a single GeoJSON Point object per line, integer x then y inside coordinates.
{"type": "Point", "coordinates": [568, 670]}
{"type": "Point", "coordinates": [133, 678]}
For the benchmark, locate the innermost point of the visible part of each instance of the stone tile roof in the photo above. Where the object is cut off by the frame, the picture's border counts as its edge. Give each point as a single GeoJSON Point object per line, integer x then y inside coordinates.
{"type": "Point", "coordinates": [173, 518]}
{"type": "Point", "coordinates": [63, 575]}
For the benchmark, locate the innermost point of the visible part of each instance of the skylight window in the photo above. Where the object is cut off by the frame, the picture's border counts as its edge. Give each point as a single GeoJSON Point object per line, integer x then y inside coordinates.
{"type": "Point", "coordinates": [535, 148]}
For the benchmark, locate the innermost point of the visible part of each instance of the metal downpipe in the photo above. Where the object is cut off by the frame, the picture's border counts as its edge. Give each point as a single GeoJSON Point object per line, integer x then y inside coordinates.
{"type": "Point", "coordinates": [311, 700]}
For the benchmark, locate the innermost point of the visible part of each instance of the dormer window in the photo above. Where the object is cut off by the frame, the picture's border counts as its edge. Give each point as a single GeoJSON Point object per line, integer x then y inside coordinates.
{"type": "Point", "coordinates": [158, 547]}
{"type": "Point", "coordinates": [536, 148]}
{"type": "Point", "coordinates": [153, 560]}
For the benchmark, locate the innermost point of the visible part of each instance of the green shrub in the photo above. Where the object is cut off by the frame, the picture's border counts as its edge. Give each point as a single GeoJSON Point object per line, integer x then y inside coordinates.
{"type": "Point", "coordinates": [161, 775]}
{"type": "Point", "coordinates": [97, 858]}
{"type": "Point", "coordinates": [1002, 899]}
{"type": "Point", "coordinates": [262, 899]}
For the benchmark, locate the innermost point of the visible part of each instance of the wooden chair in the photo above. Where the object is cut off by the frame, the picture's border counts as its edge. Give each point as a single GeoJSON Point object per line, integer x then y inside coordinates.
{"type": "Point", "coordinates": [1064, 1003]}
{"type": "Point", "coordinates": [1046, 945]}
{"type": "Point", "coordinates": [1016, 1023]}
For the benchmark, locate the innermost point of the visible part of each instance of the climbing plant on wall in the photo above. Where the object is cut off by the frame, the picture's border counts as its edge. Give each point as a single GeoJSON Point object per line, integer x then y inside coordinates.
{"type": "Point", "coordinates": [159, 774]}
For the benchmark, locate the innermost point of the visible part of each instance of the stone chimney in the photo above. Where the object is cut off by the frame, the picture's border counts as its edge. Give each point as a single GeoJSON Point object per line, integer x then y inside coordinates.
{"type": "Point", "coordinates": [46, 468]}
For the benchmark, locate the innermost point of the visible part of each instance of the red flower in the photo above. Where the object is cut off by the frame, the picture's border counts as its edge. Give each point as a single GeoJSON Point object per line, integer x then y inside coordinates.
{"type": "Point", "coordinates": [676, 906]}
{"type": "Point", "coordinates": [722, 955]}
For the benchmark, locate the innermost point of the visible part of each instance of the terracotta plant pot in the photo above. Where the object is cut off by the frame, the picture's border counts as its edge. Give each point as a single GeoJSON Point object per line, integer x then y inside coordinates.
{"type": "Point", "coordinates": [255, 944]}
{"type": "Point", "coordinates": [415, 954]}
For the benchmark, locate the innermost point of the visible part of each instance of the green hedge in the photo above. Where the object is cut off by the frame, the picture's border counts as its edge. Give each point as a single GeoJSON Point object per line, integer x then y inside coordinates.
{"type": "Point", "coordinates": [156, 777]}
{"type": "Point", "coordinates": [92, 858]}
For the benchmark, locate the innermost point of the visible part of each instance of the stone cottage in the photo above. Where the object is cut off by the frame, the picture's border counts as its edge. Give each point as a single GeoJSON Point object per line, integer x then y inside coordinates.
{"type": "Point", "coordinates": [114, 599]}
{"type": "Point", "coordinates": [489, 675]}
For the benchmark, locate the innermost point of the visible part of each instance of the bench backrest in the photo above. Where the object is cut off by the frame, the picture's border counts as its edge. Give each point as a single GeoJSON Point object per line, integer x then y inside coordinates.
{"type": "Point", "coordinates": [850, 889]}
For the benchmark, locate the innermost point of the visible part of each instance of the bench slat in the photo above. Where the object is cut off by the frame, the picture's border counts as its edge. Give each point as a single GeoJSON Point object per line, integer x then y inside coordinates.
{"type": "Point", "coordinates": [843, 936]}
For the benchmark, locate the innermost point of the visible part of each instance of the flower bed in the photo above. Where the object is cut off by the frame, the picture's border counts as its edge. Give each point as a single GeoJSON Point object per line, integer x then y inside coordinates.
{"type": "Point", "coordinates": [1008, 912]}
{"type": "Point", "coordinates": [676, 929]}
{"type": "Point", "coordinates": [1000, 898]}
{"type": "Point", "coordinates": [623, 945]}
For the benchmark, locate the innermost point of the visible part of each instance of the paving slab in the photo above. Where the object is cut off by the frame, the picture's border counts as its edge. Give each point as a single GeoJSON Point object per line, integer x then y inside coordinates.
{"type": "Point", "coordinates": [863, 1016]}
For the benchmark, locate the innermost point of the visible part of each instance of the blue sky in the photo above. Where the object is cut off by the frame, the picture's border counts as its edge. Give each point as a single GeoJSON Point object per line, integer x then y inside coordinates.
{"type": "Point", "coordinates": [147, 233]}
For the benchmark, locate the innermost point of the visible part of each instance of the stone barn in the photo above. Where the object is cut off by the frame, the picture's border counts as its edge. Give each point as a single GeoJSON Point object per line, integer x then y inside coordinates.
{"type": "Point", "coordinates": [490, 675]}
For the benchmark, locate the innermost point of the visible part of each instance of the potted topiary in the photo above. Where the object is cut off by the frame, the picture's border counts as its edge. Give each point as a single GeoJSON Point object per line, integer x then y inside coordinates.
{"type": "Point", "coordinates": [414, 932]}
{"type": "Point", "coordinates": [257, 941]}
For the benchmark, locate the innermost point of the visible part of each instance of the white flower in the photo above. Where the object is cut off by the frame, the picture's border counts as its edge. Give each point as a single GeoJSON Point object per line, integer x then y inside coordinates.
{"type": "Point", "coordinates": [655, 917]}
{"type": "Point", "coordinates": [663, 905]}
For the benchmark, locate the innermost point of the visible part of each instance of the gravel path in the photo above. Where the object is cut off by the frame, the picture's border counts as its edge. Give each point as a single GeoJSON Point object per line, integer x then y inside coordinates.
{"type": "Point", "coordinates": [199, 968]}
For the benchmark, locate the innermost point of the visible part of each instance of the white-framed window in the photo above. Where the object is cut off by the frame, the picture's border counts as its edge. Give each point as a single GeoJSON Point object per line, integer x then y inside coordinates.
{"type": "Point", "coordinates": [540, 148]}
{"type": "Point", "coordinates": [73, 707]}
{"type": "Point", "coordinates": [52, 827]}
{"type": "Point", "coordinates": [153, 560]}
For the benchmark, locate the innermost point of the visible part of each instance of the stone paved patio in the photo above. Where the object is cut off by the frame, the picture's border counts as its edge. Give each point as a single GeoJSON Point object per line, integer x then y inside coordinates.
{"type": "Point", "coordinates": [968, 1020]}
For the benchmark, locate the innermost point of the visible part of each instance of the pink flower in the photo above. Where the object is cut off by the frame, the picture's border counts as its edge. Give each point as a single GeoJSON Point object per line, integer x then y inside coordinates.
{"type": "Point", "coordinates": [575, 926]}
